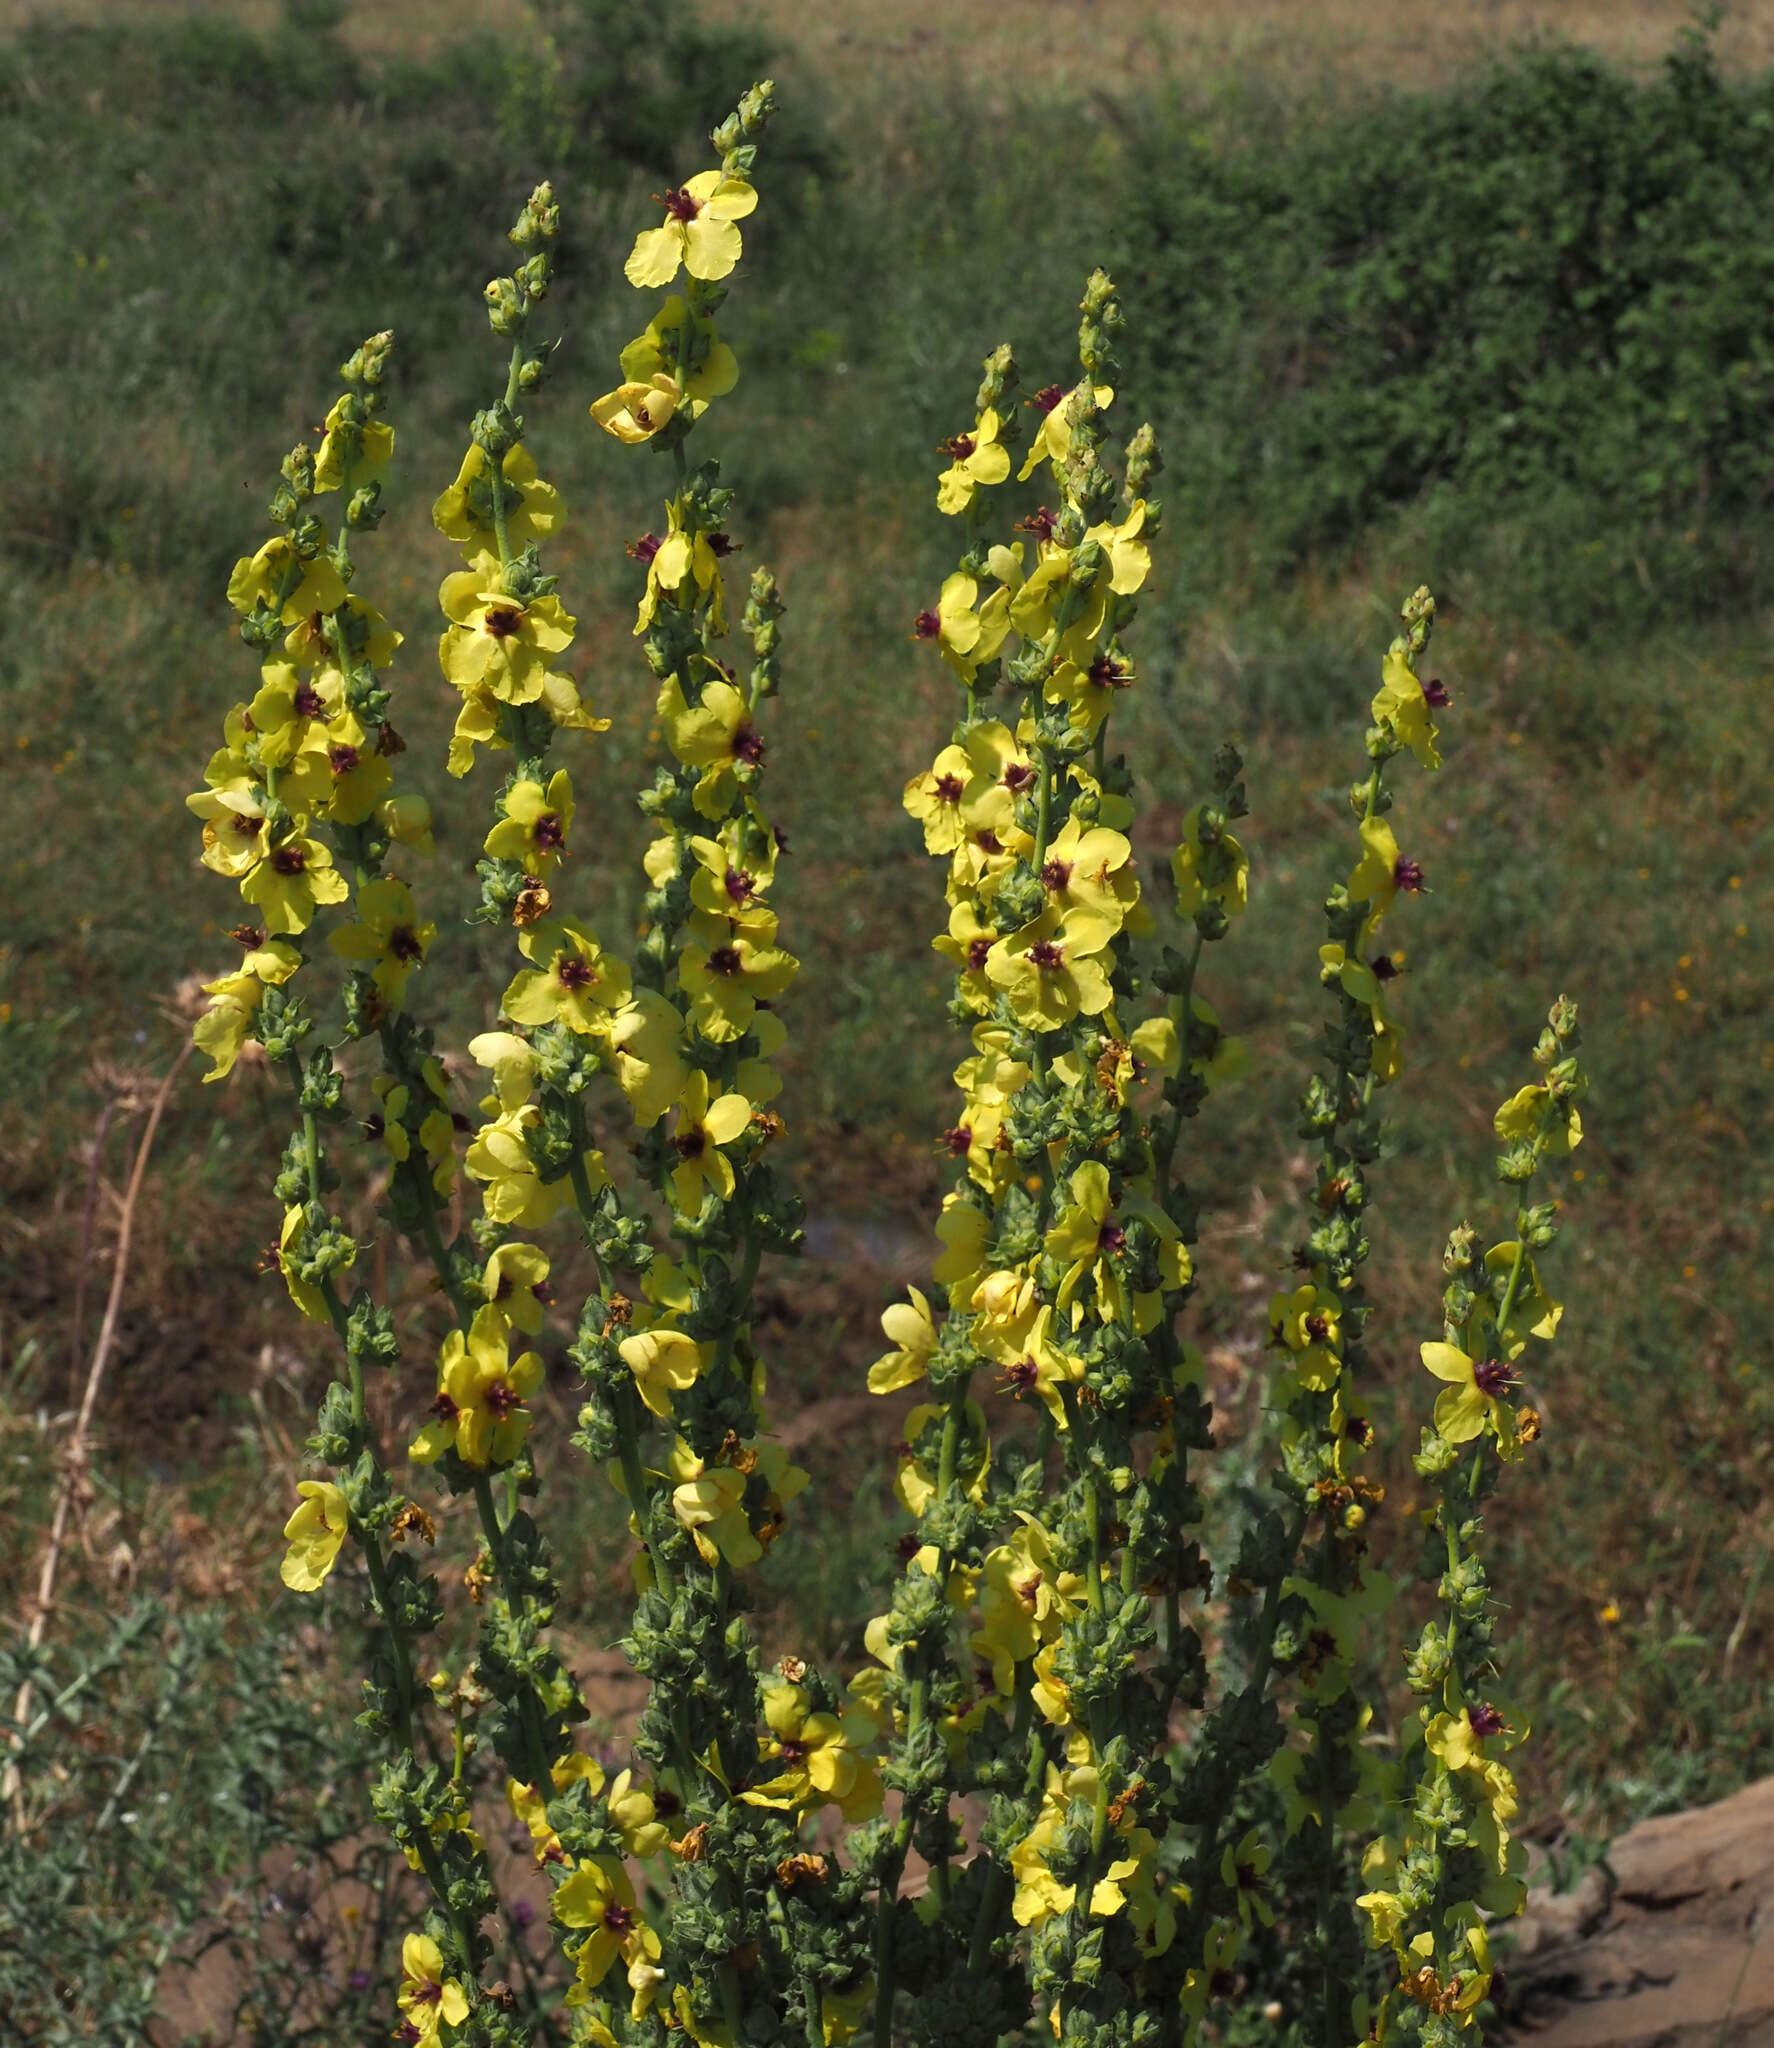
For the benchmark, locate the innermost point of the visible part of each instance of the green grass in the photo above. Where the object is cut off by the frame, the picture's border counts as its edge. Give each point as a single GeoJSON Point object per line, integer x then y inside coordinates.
{"type": "Point", "coordinates": [209, 221]}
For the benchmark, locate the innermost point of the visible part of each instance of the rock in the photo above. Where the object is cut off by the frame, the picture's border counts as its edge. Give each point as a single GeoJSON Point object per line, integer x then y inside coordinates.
{"type": "Point", "coordinates": [1677, 1951]}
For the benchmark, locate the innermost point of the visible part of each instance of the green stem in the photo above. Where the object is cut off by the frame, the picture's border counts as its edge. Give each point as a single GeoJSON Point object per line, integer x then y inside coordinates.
{"type": "Point", "coordinates": [541, 1765]}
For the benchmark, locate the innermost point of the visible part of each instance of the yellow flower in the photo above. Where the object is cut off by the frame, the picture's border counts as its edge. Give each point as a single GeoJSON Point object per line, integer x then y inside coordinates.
{"type": "Point", "coordinates": [663, 1362]}
{"type": "Point", "coordinates": [575, 982]}
{"type": "Point", "coordinates": [1403, 708]}
{"type": "Point", "coordinates": [361, 628]}
{"type": "Point", "coordinates": [307, 1297]}
{"type": "Point", "coordinates": [1126, 1884]}
{"type": "Point", "coordinates": [630, 1808]}
{"type": "Point", "coordinates": [314, 585]}
{"type": "Point", "coordinates": [646, 1040]}
{"type": "Point", "coordinates": [1022, 1346]}
{"type": "Point", "coordinates": [709, 1500]}
{"type": "Point", "coordinates": [1381, 873]}
{"type": "Point", "coordinates": [516, 1283]}
{"type": "Point", "coordinates": [288, 708]}
{"type": "Point", "coordinates": [234, 1001]}
{"type": "Point", "coordinates": [1088, 1236]}
{"type": "Point", "coordinates": [1049, 975]}
{"type": "Point", "coordinates": [1458, 1737]}
{"type": "Point", "coordinates": [683, 347]}
{"type": "Point", "coordinates": [702, 1128]}
{"type": "Point", "coordinates": [495, 643]}
{"type": "Point", "coordinates": [234, 829]}
{"type": "Point", "coordinates": [1130, 557]}
{"type": "Point", "coordinates": [481, 1391]}
{"type": "Point", "coordinates": [965, 638]}
{"type": "Point", "coordinates": [1088, 881]}
{"type": "Point", "coordinates": [964, 1230]}
{"type": "Point", "coordinates": [934, 799]}
{"type": "Point", "coordinates": [515, 1191]}
{"type": "Point", "coordinates": [716, 735]}
{"type": "Point", "coordinates": [821, 1757]}
{"type": "Point", "coordinates": [1473, 1400]}
{"type": "Point", "coordinates": [599, 1898]}
{"type": "Point", "coordinates": [1533, 1312]}
{"type": "Point", "coordinates": [1243, 1867]}
{"type": "Point", "coordinates": [464, 513]}
{"type": "Point", "coordinates": [315, 1533]}
{"type": "Point", "coordinates": [910, 1329]}
{"type": "Point", "coordinates": [1024, 1600]}
{"type": "Point", "coordinates": [389, 932]}
{"type": "Point", "coordinates": [407, 821]}
{"type": "Point", "coordinates": [727, 979]}
{"type": "Point", "coordinates": [1090, 690]}
{"type": "Point", "coordinates": [1003, 773]}
{"type": "Point", "coordinates": [375, 444]}
{"type": "Point", "coordinates": [293, 879]}
{"type": "Point", "coordinates": [635, 412]}
{"type": "Point", "coordinates": [1524, 1115]}
{"type": "Point", "coordinates": [841, 2013]}
{"type": "Point", "coordinates": [733, 869]}
{"type": "Point", "coordinates": [974, 459]}
{"type": "Point", "coordinates": [699, 232]}
{"type": "Point", "coordinates": [427, 1996]}
{"type": "Point", "coordinates": [1307, 1323]}
{"type": "Point", "coordinates": [1219, 873]}
{"type": "Point", "coordinates": [533, 831]}
{"type": "Point", "coordinates": [511, 1062]}
{"type": "Point", "coordinates": [1053, 438]}
{"type": "Point", "coordinates": [357, 778]}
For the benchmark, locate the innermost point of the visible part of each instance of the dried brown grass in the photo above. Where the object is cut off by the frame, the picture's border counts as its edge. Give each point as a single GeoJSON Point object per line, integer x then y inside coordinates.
{"type": "Point", "coordinates": [1299, 43]}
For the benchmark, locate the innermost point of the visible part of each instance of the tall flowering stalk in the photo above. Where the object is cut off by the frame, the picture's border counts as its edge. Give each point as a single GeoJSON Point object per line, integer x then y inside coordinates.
{"type": "Point", "coordinates": [299, 808]}
{"type": "Point", "coordinates": [1447, 1863]}
{"type": "Point", "coordinates": [1320, 1590]}
{"type": "Point", "coordinates": [1037, 1642]}
{"type": "Point", "coordinates": [1036, 1725]}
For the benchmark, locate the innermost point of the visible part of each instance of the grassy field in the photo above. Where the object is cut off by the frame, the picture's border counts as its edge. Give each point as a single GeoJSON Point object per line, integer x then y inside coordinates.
{"type": "Point", "coordinates": [1045, 41]}
{"type": "Point", "coordinates": [209, 210]}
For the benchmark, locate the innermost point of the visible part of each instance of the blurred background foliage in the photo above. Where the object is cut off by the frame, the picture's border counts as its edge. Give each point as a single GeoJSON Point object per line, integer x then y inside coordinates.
{"type": "Point", "coordinates": [1508, 330]}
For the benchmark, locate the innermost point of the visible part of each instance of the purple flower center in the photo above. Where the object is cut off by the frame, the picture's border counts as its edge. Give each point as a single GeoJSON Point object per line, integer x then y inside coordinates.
{"type": "Point", "coordinates": [1492, 1377]}
{"type": "Point", "coordinates": [1407, 875]}
{"type": "Point", "coordinates": [1048, 397]}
